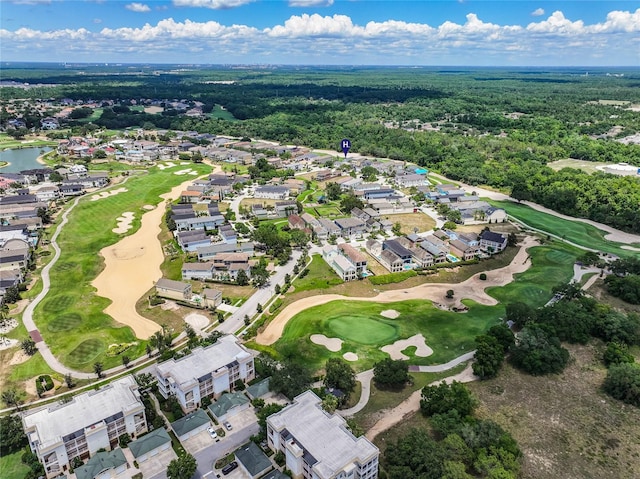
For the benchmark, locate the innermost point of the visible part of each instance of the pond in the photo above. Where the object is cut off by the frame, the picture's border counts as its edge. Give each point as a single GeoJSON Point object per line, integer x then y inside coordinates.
{"type": "Point", "coordinates": [20, 159]}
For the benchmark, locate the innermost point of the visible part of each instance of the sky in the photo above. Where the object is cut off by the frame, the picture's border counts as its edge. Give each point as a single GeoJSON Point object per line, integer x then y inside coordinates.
{"type": "Point", "coordinates": [323, 32]}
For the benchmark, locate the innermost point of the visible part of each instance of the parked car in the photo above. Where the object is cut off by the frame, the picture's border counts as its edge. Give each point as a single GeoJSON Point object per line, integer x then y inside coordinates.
{"type": "Point", "coordinates": [212, 433]}
{"type": "Point", "coordinates": [229, 467]}
{"type": "Point", "coordinates": [228, 425]}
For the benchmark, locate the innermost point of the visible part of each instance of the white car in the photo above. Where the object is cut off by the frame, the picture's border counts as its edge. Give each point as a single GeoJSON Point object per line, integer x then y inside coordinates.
{"type": "Point", "coordinates": [212, 433]}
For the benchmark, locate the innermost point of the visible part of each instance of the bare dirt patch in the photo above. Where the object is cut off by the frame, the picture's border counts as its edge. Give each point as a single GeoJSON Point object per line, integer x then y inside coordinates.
{"type": "Point", "coordinates": [395, 350]}
{"type": "Point", "coordinates": [19, 357]}
{"type": "Point", "coordinates": [332, 344]}
{"type": "Point", "coordinates": [390, 313]}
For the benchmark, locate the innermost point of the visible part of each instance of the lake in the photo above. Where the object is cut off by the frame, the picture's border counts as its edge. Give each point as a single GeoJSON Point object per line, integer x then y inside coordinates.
{"type": "Point", "coordinates": [22, 159]}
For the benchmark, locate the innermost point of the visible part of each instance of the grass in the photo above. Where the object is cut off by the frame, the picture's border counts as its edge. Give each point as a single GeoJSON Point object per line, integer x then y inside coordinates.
{"type": "Point", "coordinates": [410, 221]}
{"type": "Point", "coordinates": [71, 318]}
{"type": "Point", "coordinates": [320, 276]}
{"type": "Point", "coordinates": [577, 232]}
{"type": "Point", "coordinates": [564, 424]}
{"type": "Point", "coordinates": [391, 278]}
{"type": "Point", "coordinates": [220, 113]}
{"type": "Point", "coordinates": [11, 466]}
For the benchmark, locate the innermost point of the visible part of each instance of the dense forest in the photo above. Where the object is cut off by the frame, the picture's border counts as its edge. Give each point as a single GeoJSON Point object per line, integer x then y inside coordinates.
{"type": "Point", "coordinates": [499, 128]}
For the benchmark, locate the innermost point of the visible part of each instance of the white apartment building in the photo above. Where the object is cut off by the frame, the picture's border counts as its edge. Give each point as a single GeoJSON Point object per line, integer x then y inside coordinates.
{"type": "Point", "coordinates": [90, 421]}
{"type": "Point", "coordinates": [318, 445]}
{"type": "Point", "coordinates": [206, 372]}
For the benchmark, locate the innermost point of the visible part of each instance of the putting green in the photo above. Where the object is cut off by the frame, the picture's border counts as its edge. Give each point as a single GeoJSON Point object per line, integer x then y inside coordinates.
{"type": "Point", "coordinates": [86, 352]}
{"type": "Point", "coordinates": [64, 322]}
{"type": "Point", "coordinates": [59, 303]}
{"type": "Point", "coordinates": [362, 329]}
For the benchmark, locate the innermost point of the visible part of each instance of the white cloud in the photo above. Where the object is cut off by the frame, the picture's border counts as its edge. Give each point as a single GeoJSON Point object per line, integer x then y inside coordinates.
{"type": "Point", "coordinates": [310, 3]}
{"type": "Point", "coordinates": [538, 12]}
{"type": "Point", "coordinates": [212, 4]}
{"type": "Point", "coordinates": [138, 7]}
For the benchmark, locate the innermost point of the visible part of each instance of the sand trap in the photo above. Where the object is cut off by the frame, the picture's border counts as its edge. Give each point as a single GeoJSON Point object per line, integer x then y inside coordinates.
{"type": "Point", "coordinates": [184, 163]}
{"type": "Point", "coordinates": [107, 194]}
{"type": "Point", "coordinates": [124, 222]}
{"type": "Point", "coordinates": [164, 166]}
{"type": "Point", "coordinates": [148, 207]}
{"type": "Point", "coordinates": [473, 288]}
{"type": "Point", "coordinates": [390, 313]}
{"type": "Point", "coordinates": [350, 356]}
{"type": "Point", "coordinates": [6, 343]}
{"type": "Point", "coordinates": [630, 248]}
{"type": "Point", "coordinates": [188, 171]}
{"type": "Point", "coordinates": [395, 350]}
{"type": "Point", "coordinates": [19, 357]}
{"type": "Point", "coordinates": [197, 321]}
{"type": "Point", "coordinates": [332, 344]}
{"type": "Point", "coordinates": [131, 270]}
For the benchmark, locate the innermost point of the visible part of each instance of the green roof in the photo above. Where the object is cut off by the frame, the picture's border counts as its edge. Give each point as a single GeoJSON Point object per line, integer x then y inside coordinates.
{"type": "Point", "coordinates": [227, 402]}
{"type": "Point", "coordinates": [253, 459]}
{"type": "Point", "coordinates": [259, 389]}
{"type": "Point", "coordinates": [190, 422]}
{"type": "Point", "coordinates": [101, 462]}
{"type": "Point", "coordinates": [149, 442]}
{"type": "Point", "coordinates": [275, 474]}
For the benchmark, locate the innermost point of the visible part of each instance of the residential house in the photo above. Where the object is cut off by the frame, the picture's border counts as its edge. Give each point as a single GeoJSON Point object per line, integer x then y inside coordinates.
{"type": "Point", "coordinates": [150, 445]}
{"type": "Point", "coordinates": [330, 227]}
{"type": "Point", "coordinates": [228, 234]}
{"type": "Point", "coordinates": [437, 242]}
{"type": "Point", "coordinates": [409, 180]}
{"type": "Point", "coordinates": [104, 465]}
{"type": "Point", "coordinates": [391, 261]}
{"type": "Point", "coordinates": [296, 222]}
{"type": "Point", "coordinates": [374, 247]}
{"type": "Point", "coordinates": [355, 257]}
{"type": "Point", "coordinates": [252, 460]}
{"type": "Point", "coordinates": [9, 278]}
{"type": "Point", "coordinates": [400, 251]}
{"type": "Point", "coordinates": [295, 186]}
{"type": "Point", "coordinates": [192, 240]}
{"type": "Point", "coordinates": [350, 227]}
{"type": "Point", "coordinates": [439, 255]}
{"type": "Point", "coordinates": [340, 264]}
{"type": "Point", "coordinates": [286, 208]}
{"type": "Point", "coordinates": [167, 288]}
{"type": "Point", "coordinates": [462, 250]}
{"type": "Point", "coordinates": [188, 426]}
{"type": "Point", "coordinates": [212, 298]}
{"type": "Point", "coordinates": [197, 271]}
{"type": "Point", "coordinates": [492, 242]}
{"type": "Point", "coordinates": [259, 211]}
{"type": "Point", "coordinates": [89, 422]}
{"type": "Point", "coordinates": [47, 193]}
{"type": "Point", "coordinates": [190, 196]}
{"type": "Point", "coordinates": [206, 372]}
{"type": "Point", "coordinates": [324, 175]}
{"type": "Point", "coordinates": [272, 192]}
{"type": "Point", "coordinates": [206, 253]}
{"type": "Point", "coordinates": [199, 223]}
{"type": "Point", "coordinates": [228, 405]}
{"type": "Point", "coordinates": [71, 189]}
{"type": "Point", "coordinates": [380, 193]}
{"type": "Point", "coordinates": [14, 259]}
{"type": "Point", "coordinates": [319, 445]}
{"type": "Point", "coordinates": [226, 266]}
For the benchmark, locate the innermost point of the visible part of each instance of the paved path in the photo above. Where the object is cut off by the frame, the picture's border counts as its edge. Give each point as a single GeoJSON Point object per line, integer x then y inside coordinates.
{"type": "Point", "coordinates": [365, 378]}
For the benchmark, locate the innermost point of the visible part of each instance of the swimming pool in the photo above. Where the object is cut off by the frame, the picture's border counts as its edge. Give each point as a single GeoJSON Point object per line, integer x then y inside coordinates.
{"type": "Point", "coordinates": [452, 259]}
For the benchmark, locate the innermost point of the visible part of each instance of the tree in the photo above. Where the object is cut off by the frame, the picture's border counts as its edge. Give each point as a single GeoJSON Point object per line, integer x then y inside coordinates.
{"type": "Point", "coordinates": [350, 202]}
{"type": "Point", "coordinates": [396, 229]}
{"type": "Point", "coordinates": [488, 358]}
{"type": "Point", "coordinates": [449, 294]}
{"type": "Point", "coordinates": [68, 380]}
{"type": "Point", "coordinates": [623, 383]}
{"type": "Point", "coordinates": [12, 398]}
{"type": "Point", "coordinates": [43, 214]}
{"type": "Point", "coordinates": [291, 379]}
{"type": "Point", "coordinates": [12, 295]}
{"type": "Point", "coordinates": [444, 397]}
{"type": "Point", "coordinates": [617, 353]}
{"type": "Point", "coordinates": [55, 177]}
{"type": "Point", "coordinates": [182, 468]}
{"type": "Point", "coordinates": [125, 361]}
{"type": "Point", "coordinates": [339, 374]}
{"type": "Point", "coordinates": [29, 346]}
{"type": "Point", "coordinates": [391, 373]}
{"type": "Point", "coordinates": [414, 456]}
{"type": "Point", "coordinates": [13, 437]}
{"type": "Point", "coordinates": [330, 403]}
{"type": "Point", "coordinates": [266, 411]}
{"type": "Point", "coordinates": [503, 335]}
{"type": "Point", "coordinates": [519, 313]}
{"type": "Point", "coordinates": [98, 368]}
{"type": "Point", "coordinates": [538, 352]}
{"type": "Point", "coordinates": [333, 191]}
{"type": "Point", "coordinates": [242, 279]}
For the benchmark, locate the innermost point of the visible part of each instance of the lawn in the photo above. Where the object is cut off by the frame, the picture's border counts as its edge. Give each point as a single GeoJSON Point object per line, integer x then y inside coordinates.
{"type": "Point", "coordinates": [320, 276]}
{"type": "Point", "coordinates": [220, 113]}
{"type": "Point", "coordinates": [409, 222]}
{"type": "Point", "coordinates": [450, 334]}
{"type": "Point", "coordinates": [71, 317]}
{"type": "Point", "coordinates": [575, 231]}
{"type": "Point", "coordinates": [11, 466]}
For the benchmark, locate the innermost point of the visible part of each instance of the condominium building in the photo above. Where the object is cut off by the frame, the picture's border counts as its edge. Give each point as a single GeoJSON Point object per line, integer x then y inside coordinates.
{"type": "Point", "coordinates": [89, 422]}
{"type": "Point", "coordinates": [318, 445]}
{"type": "Point", "coordinates": [206, 372]}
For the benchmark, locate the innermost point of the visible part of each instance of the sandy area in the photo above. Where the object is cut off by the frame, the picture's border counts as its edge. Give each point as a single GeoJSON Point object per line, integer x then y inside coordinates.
{"type": "Point", "coordinates": [8, 325]}
{"type": "Point", "coordinates": [132, 266]}
{"type": "Point", "coordinates": [164, 166]}
{"type": "Point", "coordinates": [148, 207]}
{"type": "Point", "coordinates": [473, 288]}
{"type": "Point", "coordinates": [107, 194]}
{"type": "Point", "coordinates": [395, 350]}
{"type": "Point", "coordinates": [169, 305]}
{"type": "Point", "coordinates": [197, 321]}
{"type": "Point", "coordinates": [19, 357]}
{"type": "Point", "coordinates": [188, 171]}
{"type": "Point", "coordinates": [350, 356]}
{"type": "Point", "coordinates": [6, 343]}
{"type": "Point", "coordinates": [332, 344]}
{"type": "Point", "coordinates": [124, 222]}
{"type": "Point", "coordinates": [390, 313]}
{"type": "Point", "coordinates": [410, 405]}
{"type": "Point", "coordinates": [631, 248]}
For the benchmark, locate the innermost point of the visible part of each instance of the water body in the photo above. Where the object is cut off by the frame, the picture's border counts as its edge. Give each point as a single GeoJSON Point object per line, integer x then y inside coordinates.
{"type": "Point", "coordinates": [22, 159]}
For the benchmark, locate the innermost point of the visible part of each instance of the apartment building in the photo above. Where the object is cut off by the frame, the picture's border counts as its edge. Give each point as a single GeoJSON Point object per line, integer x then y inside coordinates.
{"type": "Point", "coordinates": [318, 445]}
{"type": "Point", "coordinates": [88, 423]}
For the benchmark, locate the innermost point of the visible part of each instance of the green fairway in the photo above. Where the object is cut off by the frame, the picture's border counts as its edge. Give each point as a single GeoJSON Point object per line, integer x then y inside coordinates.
{"type": "Point", "coordinates": [71, 317]}
{"type": "Point", "coordinates": [577, 232]}
{"type": "Point", "coordinates": [363, 330]}
{"type": "Point", "coordinates": [11, 466]}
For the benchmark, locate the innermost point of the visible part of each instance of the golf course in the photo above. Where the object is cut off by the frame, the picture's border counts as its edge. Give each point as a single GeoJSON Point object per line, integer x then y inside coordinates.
{"type": "Point", "coordinates": [71, 318]}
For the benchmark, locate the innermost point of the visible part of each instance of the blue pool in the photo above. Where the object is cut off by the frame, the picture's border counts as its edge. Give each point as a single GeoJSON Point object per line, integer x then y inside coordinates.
{"type": "Point", "coordinates": [452, 259]}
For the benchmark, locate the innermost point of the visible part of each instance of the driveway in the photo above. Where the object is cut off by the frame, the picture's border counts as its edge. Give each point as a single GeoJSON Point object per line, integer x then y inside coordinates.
{"type": "Point", "coordinates": [198, 442]}
{"type": "Point", "coordinates": [156, 467]}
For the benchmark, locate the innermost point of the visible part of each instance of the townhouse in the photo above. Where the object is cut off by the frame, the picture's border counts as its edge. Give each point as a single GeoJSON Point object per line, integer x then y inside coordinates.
{"type": "Point", "coordinates": [492, 242]}
{"type": "Point", "coordinates": [343, 267]}
{"type": "Point", "coordinates": [350, 227]}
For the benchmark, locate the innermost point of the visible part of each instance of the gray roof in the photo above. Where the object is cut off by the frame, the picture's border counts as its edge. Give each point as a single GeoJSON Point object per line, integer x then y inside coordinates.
{"type": "Point", "coordinates": [172, 285]}
{"type": "Point", "coordinates": [227, 402]}
{"type": "Point", "coordinates": [102, 461]}
{"type": "Point", "coordinates": [190, 422]}
{"type": "Point", "coordinates": [324, 437]}
{"type": "Point", "coordinates": [259, 389]}
{"type": "Point", "coordinates": [253, 459]}
{"type": "Point", "coordinates": [149, 442]}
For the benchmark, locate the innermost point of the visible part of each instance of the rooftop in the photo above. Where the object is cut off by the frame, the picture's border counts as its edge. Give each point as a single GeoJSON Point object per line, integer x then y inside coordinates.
{"type": "Point", "coordinates": [101, 462]}
{"type": "Point", "coordinates": [323, 436]}
{"type": "Point", "coordinates": [171, 284]}
{"type": "Point", "coordinates": [84, 410]}
{"type": "Point", "coordinates": [227, 402]}
{"type": "Point", "coordinates": [253, 459]}
{"type": "Point", "coordinates": [149, 442]}
{"type": "Point", "coordinates": [190, 422]}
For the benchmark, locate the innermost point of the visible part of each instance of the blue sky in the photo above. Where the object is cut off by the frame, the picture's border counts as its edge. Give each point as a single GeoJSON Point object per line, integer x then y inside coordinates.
{"type": "Point", "coordinates": [417, 32]}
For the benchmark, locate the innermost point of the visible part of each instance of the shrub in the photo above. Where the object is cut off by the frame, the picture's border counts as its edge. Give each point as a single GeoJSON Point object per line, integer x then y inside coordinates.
{"type": "Point", "coordinates": [623, 383]}
{"type": "Point", "coordinates": [483, 276]}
